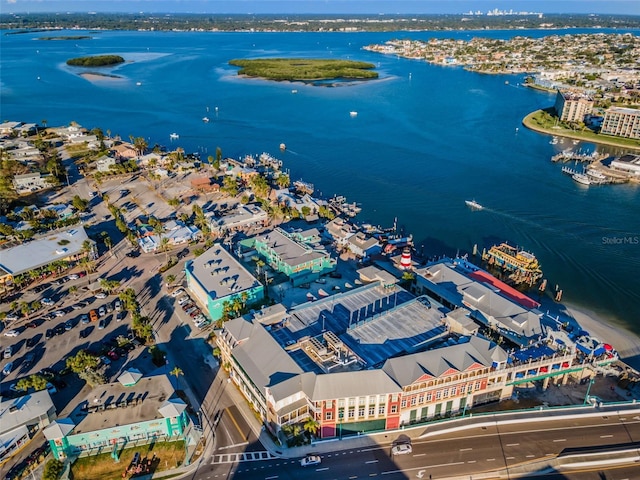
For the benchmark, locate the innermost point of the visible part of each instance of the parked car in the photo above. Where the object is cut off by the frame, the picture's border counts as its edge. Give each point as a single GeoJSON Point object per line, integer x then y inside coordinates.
{"type": "Point", "coordinates": [32, 325]}
{"type": "Point", "coordinates": [93, 315]}
{"type": "Point", "coordinates": [8, 352]}
{"type": "Point", "coordinates": [32, 342]}
{"type": "Point", "coordinates": [28, 360]}
{"type": "Point", "coordinates": [105, 360]}
{"type": "Point", "coordinates": [47, 302]}
{"type": "Point", "coordinates": [7, 369]}
{"type": "Point", "coordinates": [310, 460]}
{"type": "Point", "coordinates": [59, 329]}
{"type": "Point", "coordinates": [50, 334]}
{"type": "Point", "coordinates": [117, 305]}
{"type": "Point", "coordinates": [12, 317]}
{"type": "Point", "coordinates": [335, 274]}
{"type": "Point", "coordinates": [177, 292]}
{"type": "Point", "coordinates": [101, 295]}
{"type": "Point", "coordinates": [84, 319]}
{"type": "Point", "coordinates": [76, 306]}
{"type": "Point", "coordinates": [59, 313]}
{"type": "Point", "coordinates": [401, 449]}
{"type": "Point", "coordinates": [183, 300]}
{"type": "Point", "coordinates": [11, 333]}
{"type": "Point", "coordinates": [73, 276]}
{"type": "Point", "coordinates": [183, 253]}
{"type": "Point", "coordinates": [101, 312]}
{"type": "Point", "coordinates": [120, 316]}
{"type": "Point", "coordinates": [68, 325]}
{"type": "Point", "coordinates": [102, 324]}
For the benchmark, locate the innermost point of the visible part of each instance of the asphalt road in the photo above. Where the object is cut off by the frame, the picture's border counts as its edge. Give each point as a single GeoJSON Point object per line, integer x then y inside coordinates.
{"type": "Point", "coordinates": [462, 454]}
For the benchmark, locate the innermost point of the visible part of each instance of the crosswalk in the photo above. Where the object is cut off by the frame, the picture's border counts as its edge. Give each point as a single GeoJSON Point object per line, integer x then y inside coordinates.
{"type": "Point", "coordinates": [241, 457]}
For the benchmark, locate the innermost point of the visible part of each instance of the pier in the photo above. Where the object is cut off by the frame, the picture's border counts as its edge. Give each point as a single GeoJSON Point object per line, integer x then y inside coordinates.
{"type": "Point", "coordinates": [571, 156]}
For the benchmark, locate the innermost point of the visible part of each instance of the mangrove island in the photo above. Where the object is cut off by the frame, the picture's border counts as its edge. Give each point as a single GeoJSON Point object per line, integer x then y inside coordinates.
{"type": "Point", "coordinates": [303, 69]}
{"type": "Point", "coordinates": [95, 61]}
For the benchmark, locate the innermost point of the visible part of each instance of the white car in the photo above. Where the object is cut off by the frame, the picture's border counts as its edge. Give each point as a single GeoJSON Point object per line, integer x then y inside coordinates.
{"type": "Point", "coordinates": [47, 302]}
{"type": "Point", "coordinates": [11, 333]}
{"type": "Point", "coordinates": [402, 449]}
{"type": "Point", "coordinates": [7, 369]}
{"type": "Point", "coordinates": [177, 293]}
{"type": "Point", "coordinates": [101, 295]}
{"type": "Point", "coordinates": [310, 460]}
{"type": "Point", "coordinates": [59, 313]}
{"type": "Point", "coordinates": [101, 312]}
{"type": "Point", "coordinates": [73, 276]}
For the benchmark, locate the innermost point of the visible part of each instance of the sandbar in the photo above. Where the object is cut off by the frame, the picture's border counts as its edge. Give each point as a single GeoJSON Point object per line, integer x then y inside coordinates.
{"type": "Point", "coordinates": [100, 77]}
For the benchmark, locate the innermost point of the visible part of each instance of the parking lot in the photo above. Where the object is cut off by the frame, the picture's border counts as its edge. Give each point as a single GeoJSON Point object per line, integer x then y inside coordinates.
{"type": "Point", "coordinates": [61, 328]}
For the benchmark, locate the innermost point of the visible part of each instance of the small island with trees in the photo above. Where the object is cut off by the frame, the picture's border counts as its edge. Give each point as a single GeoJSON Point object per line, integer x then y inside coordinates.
{"type": "Point", "coordinates": [96, 61]}
{"type": "Point", "coordinates": [304, 69]}
{"type": "Point", "coordinates": [67, 37]}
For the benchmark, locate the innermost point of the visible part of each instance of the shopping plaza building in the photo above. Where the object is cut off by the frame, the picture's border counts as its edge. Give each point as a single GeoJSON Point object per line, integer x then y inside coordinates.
{"type": "Point", "coordinates": [378, 357]}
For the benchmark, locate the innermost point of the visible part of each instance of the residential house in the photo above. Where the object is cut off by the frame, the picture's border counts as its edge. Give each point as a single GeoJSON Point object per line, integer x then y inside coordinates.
{"type": "Point", "coordinates": [363, 245]}
{"type": "Point", "coordinates": [32, 182]}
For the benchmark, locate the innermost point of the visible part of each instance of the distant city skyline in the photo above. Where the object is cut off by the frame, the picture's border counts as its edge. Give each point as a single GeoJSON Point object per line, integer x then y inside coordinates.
{"type": "Point", "coordinates": [630, 7]}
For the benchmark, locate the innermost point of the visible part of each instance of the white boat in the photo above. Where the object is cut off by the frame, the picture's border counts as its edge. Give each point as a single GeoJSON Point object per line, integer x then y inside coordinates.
{"type": "Point", "coordinates": [554, 141]}
{"type": "Point", "coordinates": [205, 119]}
{"type": "Point", "coordinates": [353, 114]}
{"type": "Point", "coordinates": [294, 91]}
{"type": "Point", "coordinates": [311, 297]}
{"type": "Point", "coordinates": [473, 205]}
{"type": "Point", "coordinates": [596, 174]}
{"type": "Point", "coordinates": [283, 147]}
{"type": "Point", "coordinates": [138, 83]}
{"type": "Point", "coordinates": [322, 293]}
{"type": "Point", "coordinates": [174, 136]}
{"type": "Point", "coordinates": [581, 178]}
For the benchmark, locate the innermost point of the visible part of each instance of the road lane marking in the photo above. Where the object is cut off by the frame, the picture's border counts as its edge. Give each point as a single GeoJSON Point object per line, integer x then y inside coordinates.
{"type": "Point", "coordinates": [512, 444]}
{"type": "Point", "coordinates": [510, 458]}
{"type": "Point", "coordinates": [419, 454]}
{"type": "Point", "coordinates": [560, 440]}
{"type": "Point", "coordinates": [606, 436]}
{"type": "Point", "coordinates": [241, 444]}
{"type": "Point", "coordinates": [271, 478]}
{"type": "Point", "coordinates": [491, 459]}
{"type": "Point", "coordinates": [372, 461]}
{"type": "Point", "coordinates": [465, 449]}
{"type": "Point", "coordinates": [530, 456]}
{"type": "Point", "coordinates": [471, 461]}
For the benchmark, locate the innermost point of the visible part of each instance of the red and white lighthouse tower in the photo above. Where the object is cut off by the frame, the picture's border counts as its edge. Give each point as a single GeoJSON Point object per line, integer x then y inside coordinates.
{"type": "Point", "coordinates": [405, 260]}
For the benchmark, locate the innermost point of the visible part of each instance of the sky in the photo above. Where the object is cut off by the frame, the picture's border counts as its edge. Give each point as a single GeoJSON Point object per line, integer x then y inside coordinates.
{"type": "Point", "coordinates": [631, 7]}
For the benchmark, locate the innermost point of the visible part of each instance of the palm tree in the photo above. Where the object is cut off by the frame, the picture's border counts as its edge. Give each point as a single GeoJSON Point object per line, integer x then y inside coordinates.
{"type": "Point", "coordinates": [311, 426]}
{"type": "Point", "coordinates": [171, 278]}
{"type": "Point", "coordinates": [177, 371]}
{"type": "Point", "coordinates": [164, 246]}
{"type": "Point", "coordinates": [140, 144]}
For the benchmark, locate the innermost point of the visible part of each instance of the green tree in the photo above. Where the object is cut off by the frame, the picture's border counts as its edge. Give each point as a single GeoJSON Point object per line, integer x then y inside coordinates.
{"type": "Point", "coordinates": [79, 203]}
{"type": "Point", "coordinates": [170, 279]}
{"type": "Point", "coordinates": [311, 426]}
{"type": "Point", "coordinates": [82, 361]}
{"type": "Point", "coordinates": [283, 180]}
{"type": "Point", "coordinates": [176, 372]}
{"type": "Point", "coordinates": [52, 470]}
{"type": "Point", "coordinates": [140, 144]}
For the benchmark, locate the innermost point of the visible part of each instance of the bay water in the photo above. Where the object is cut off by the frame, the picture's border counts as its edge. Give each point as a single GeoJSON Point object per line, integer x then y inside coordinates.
{"type": "Point", "coordinates": [425, 139]}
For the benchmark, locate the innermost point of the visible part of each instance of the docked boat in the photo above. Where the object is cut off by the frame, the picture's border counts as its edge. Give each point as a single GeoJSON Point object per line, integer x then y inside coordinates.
{"type": "Point", "coordinates": [523, 265]}
{"type": "Point", "coordinates": [174, 136]}
{"type": "Point", "coordinates": [596, 174]}
{"type": "Point", "coordinates": [554, 141]}
{"type": "Point", "coordinates": [353, 114]}
{"type": "Point", "coordinates": [322, 293]}
{"type": "Point", "coordinates": [473, 205]}
{"type": "Point", "coordinates": [581, 178]}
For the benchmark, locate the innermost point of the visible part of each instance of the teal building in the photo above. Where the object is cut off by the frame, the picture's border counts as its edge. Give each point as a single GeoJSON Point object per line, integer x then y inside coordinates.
{"type": "Point", "coordinates": [301, 262]}
{"type": "Point", "coordinates": [136, 410]}
{"type": "Point", "coordinates": [216, 277]}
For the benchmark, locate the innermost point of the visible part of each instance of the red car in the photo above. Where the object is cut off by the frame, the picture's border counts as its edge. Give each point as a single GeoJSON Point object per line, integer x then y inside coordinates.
{"type": "Point", "coordinates": [112, 355]}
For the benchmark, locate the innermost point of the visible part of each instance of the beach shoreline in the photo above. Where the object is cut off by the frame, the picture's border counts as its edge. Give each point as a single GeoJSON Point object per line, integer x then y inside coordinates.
{"type": "Point", "coordinates": [624, 341]}
{"type": "Point", "coordinates": [100, 77]}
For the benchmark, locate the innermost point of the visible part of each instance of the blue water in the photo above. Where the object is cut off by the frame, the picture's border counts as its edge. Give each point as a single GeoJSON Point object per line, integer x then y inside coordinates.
{"type": "Point", "coordinates": [425, 139]}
